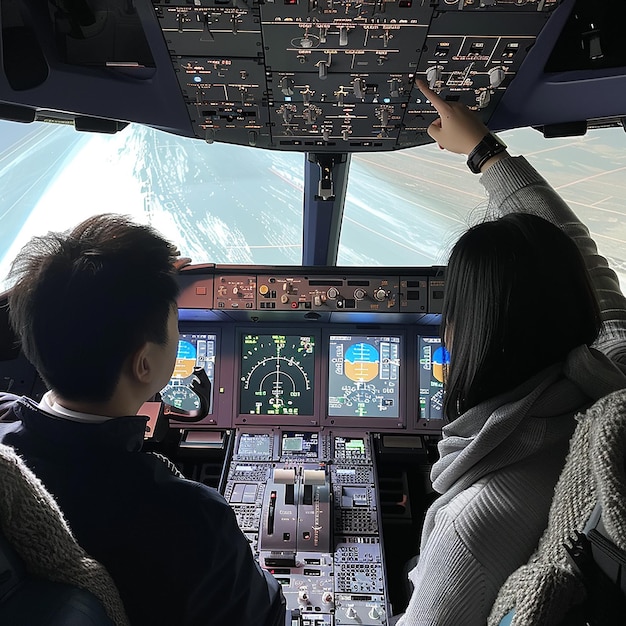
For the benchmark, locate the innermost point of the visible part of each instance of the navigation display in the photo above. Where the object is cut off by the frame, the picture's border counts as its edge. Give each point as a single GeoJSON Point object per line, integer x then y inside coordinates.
{"type": "Point", "coordinates": [300, 444]}
{"type": "Point", "coordinates": [433, 361]}
{"type": "Point", "coordinates": [190, 390]}
{"type": "Point", "coordinates": [364, 376]}
{"type": "Point", "coordinates": [277, 375]}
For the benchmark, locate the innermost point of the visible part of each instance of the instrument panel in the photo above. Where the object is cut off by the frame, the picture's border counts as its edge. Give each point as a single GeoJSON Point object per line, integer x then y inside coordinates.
{"type": "Point", "coordinates": [307, 501]}
{"type": "Point", "coordinates": [313, 346]}
{"type": "Point", "coordinates": [339, 75]}
{"type": "Point", "coordinates": [316, 76]}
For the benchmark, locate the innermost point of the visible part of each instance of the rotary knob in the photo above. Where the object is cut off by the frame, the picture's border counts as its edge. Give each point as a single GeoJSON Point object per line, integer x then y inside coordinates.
{"type": "Point", "coordinates": [433, 75]}
{"type": "Point", "coordinates": [380, 294]}
{"type": "Point", "coordinates": [303, 596]}
{"type": "Point", "coordinates": [484, 98]}
{"type": "Point", "coordinates": [496, 76]}
{"type": "Point", "coordinates": [351, 613]}
{"type": "Point", "coordinates": [374, 613]}
{"type": "Point", "coordinates": [286, 86]}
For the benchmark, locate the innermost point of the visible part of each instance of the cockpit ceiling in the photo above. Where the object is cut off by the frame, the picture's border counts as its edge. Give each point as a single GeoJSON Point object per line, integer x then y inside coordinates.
{"type": "Point", "coordinates": [298, 75]}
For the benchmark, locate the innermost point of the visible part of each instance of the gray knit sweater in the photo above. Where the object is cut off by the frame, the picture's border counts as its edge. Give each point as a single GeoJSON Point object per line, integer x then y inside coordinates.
{"type": "Point", "coordinates": [499, 462]}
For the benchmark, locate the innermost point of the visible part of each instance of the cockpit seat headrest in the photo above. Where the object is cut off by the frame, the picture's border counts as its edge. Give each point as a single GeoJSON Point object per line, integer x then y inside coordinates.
{"type": "Point", "coordinates": [46, 578]}
{"type": "Point", "coordinates": [27, 600]}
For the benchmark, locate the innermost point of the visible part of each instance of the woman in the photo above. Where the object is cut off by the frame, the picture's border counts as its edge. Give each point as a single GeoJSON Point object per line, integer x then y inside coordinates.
{"type": "Point", "coordinates": [520, 314]}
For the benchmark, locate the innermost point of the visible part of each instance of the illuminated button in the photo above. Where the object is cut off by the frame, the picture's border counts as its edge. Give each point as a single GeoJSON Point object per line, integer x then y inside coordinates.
{"type": "Point", "coordinates": [264, 290]}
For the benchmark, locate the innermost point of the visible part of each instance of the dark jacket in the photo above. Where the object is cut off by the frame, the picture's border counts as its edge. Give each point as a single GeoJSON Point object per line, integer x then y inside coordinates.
{"type": "Point", "coordinates": [172, 545]}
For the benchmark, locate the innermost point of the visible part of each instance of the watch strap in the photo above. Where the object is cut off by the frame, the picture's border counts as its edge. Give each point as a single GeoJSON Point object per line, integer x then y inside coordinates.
{"type": "Point", "coordinates": [488, 147]}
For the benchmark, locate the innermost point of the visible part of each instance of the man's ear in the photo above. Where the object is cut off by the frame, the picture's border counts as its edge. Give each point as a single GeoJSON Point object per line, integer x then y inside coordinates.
{"type": "Point", "coordinates": [141, 364]}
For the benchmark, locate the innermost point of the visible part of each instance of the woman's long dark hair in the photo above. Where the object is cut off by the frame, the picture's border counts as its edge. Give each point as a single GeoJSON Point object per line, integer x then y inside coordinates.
{"type": "Point", "coordinates": [518, 299]}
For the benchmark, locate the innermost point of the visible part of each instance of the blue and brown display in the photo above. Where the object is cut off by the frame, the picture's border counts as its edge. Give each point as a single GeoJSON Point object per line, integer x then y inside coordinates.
{"type": "Point", "coordinates": [433, 364]}
{"type": "Point", "coordinates": [364, 376]}
{"type": "Point", "coordinates": [188, 395]}
{"type": "Point", "coordinates": [277, 375]}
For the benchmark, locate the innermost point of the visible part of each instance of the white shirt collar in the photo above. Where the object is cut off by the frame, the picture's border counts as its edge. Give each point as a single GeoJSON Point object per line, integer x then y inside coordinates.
{"type": "Point", "coordinates": [50, 405]}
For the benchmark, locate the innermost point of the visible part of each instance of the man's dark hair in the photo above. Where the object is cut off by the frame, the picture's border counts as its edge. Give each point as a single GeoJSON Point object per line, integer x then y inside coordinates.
{"type": "Point", "coordinates": [84, 300]}
{"type": "Point", "coordinates": [518, 299]}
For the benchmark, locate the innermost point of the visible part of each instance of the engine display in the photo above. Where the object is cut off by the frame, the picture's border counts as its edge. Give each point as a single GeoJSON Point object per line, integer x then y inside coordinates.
{"type": "Point", "coordinates": [364, 376]}
{"type": "Point", "coordinates": [277, 375]}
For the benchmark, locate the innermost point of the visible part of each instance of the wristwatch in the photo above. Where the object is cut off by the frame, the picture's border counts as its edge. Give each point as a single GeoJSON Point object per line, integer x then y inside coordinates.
{"type": "Point", "coordinates": [489, 146]}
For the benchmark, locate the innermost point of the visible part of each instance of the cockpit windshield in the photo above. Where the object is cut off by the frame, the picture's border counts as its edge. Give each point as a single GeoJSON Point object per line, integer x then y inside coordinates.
{"type": "Point", "coordinates": [229, 204]}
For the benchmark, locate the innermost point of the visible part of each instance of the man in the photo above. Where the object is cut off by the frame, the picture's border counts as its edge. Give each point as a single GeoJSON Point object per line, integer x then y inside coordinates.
{"type": "Point", "coordinates": [95, 311]}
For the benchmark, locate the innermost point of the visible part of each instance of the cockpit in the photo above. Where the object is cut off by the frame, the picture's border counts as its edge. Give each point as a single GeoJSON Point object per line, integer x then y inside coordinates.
{"type": "Point", "coordinates": [282, 145]}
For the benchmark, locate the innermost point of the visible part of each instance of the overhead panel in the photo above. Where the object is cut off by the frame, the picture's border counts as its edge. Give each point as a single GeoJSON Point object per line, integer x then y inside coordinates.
{"type": "Point", "coordinates": [339, 75]}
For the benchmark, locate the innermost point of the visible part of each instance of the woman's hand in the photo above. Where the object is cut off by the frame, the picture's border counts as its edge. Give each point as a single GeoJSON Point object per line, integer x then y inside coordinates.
{"type": "Point", "coordinates": [458, 129]}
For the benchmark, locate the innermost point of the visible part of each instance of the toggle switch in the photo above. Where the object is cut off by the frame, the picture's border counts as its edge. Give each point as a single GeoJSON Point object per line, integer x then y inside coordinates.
{"type": "Point", "coordinates": [343, 36]}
